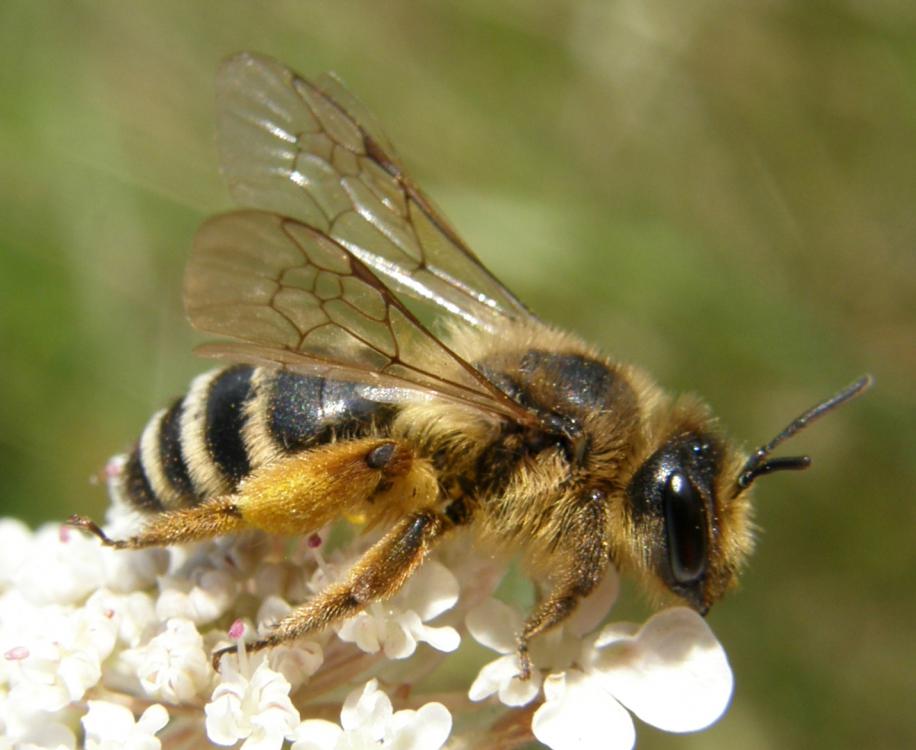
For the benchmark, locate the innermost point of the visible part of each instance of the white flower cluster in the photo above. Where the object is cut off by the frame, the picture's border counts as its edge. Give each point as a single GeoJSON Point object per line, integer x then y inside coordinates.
{"type": "Point", "coordinates": [110, 649]}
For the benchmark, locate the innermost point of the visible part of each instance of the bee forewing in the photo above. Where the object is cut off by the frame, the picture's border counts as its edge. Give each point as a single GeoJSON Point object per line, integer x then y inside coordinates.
{"type": "Point", "coordinates": [336, 90]}
{"type": "Point", "coordinates": [312, 152]}
{"type": "Point", "coordinates": [302, 300]}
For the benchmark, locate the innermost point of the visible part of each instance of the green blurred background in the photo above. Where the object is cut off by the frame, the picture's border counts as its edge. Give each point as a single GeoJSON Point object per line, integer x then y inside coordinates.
{"type": "Point", "coordinates": [723, 192]}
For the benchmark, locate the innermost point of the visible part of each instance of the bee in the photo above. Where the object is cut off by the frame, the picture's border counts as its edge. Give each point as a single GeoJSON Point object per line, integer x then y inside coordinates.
{"type": "Point", "coordinates": [341, 401]}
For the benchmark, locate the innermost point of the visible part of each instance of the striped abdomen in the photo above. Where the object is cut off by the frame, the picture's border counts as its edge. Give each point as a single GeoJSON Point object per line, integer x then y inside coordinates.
{"type": "Point", "coordinates": [232, 421]}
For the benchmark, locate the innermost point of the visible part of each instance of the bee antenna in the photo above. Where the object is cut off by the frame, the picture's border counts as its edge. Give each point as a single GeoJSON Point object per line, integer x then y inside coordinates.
{"type": "Point", "coordinates": [758, 465]}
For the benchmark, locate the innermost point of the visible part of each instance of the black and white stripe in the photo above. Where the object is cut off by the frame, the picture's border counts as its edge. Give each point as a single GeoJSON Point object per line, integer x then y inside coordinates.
{"type": "Point", "coordinates": [209, 454]}
{"type": "Point", "coordinates": [174, 468]}
{"type": "Point", "coordinates": [234, 420]}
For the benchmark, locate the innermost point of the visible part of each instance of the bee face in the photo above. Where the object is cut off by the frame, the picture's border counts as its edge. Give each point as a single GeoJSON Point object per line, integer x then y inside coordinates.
{"type": "Point", "coordinates": [680, 511]}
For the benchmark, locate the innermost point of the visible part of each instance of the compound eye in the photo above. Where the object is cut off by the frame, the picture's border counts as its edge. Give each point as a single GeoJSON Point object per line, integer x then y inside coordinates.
{"type": "Point", "coordinates": [685, 523]}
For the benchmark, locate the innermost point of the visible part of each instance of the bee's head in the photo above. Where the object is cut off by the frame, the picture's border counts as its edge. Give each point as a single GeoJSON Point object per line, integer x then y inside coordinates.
{"type": "Point", "coordinates": [687, 505]}
{"type": "Point", "coordinates": [691, 532]}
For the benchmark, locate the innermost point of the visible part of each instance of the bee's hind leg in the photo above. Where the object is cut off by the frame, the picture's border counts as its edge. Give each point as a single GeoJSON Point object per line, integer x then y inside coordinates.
{"type": "Point", "coordinates": [204, 521]}
{"type": "Point", "coordinates": [378, 574]}
{"type": "Point", "coordinates": [292, 495]}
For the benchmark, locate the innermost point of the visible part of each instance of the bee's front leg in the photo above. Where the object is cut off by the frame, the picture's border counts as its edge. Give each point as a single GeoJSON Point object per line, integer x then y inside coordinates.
{"type": "Point", "coordinates": [583, 556]}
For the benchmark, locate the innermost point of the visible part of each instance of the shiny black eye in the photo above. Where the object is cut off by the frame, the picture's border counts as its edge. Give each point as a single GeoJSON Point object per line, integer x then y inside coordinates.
{"type": "Point", "coordinates": [685, 524]}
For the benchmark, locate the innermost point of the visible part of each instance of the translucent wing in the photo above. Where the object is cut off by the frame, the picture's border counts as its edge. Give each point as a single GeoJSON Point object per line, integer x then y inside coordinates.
{"type": "Point", "coordinates": [301, 299]}
{"type": "Point", "coordinates": [312, 152]}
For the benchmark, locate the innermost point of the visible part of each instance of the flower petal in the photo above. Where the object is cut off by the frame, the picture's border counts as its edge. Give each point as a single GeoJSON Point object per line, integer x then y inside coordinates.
{"type": "Point", "coordinates": [368, 709]}
{"type": "Point", "coordinates": [673, 674]}
{"type": "Point", "coordinates": [205, 595]}
{"type": "Point", "coordinates": [432, 591]}
{"type": "Point", "coordinates": [316, 734]}
{"type": "Point", "coordinates": [173, 666]}
{"type": "Point", "coordinates": [108, 720]}
{"type": "Point", "coordinates": [495, 625]}
{"type": "Point", "coordinates": [442, 639]}
{"type": "Point", "coordinates": [296, 662]}
{"type": "Point", "coordinates": [398, 635]}
{"type": "Point", "coordinates": [153, 719]}
{"type": "Point", "coordinates": [363, 630]}
{"type": "Point", "coordinates": [425, 729]}
{"type": "Point", "coordinates": [616, 631]}
{"type": "Point", "coordinates": [501, 676]}
{"type": "Point", "coordinates": [270, 728]}
{"type": "Point", "coordinates": [48, 735]}
{"type": "Point", "coordinates": [75, 559]}
{"type": "Point", "coordinates": [593, 608]}
{"type": "Point", "coordinates": [223, 720]}
{"type": "Point", "coordinates": [579, 715]}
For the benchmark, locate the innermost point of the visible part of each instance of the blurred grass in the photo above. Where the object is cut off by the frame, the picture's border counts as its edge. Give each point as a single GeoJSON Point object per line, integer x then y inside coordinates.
{"type": "Point", "coordinates": [723, 192]}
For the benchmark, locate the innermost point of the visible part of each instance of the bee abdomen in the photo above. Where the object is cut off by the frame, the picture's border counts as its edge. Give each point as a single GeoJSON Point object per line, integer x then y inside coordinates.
{"type": "Point", "coordinates": [156, 476]}
{"type": "Point", "coordinates": [232, 421]}
{"type": "Point", "coordinates": [194, 449]}
{"type": "Point", "coordinates": [301, 410]}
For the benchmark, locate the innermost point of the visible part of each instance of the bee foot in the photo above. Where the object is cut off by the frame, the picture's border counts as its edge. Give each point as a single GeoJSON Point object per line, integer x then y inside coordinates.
{"type": "Point", "coordinates": [249, 647]}
{"type": "Point", "coordinates": [524, 664]}
{"type": "Point", "coordinates": [217, 656]}
{"type": "Point", "coordinates": [87, 524]}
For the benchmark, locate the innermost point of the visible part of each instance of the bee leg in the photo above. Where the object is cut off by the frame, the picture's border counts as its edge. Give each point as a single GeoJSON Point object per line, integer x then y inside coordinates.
{"type": "Point", "coordinates": [583, 552]}
{"type": "Point", "coordinates": [212, 518]}
{"type": "Point", "coordinates": [303, 492]}
{"type": "Point", "coordinates": [292, 495]}
{"type": "Point", "coordinates": [381, 571]}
